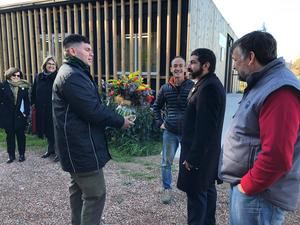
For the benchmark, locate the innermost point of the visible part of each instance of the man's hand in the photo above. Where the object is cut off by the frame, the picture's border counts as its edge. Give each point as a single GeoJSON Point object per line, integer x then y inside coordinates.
{"type": "Point", "coordinates": [163, 126]}
{"type": "Point", "coordinates": [127, 123]}
{"type": "Point", "coordinates": [187, 165]}
{"type": "Point", "coordinates": [240, 188]}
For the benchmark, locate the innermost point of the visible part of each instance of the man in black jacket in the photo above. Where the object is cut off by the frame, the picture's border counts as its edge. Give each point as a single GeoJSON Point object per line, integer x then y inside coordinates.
{"type": "Point", "coordinates": [80, 119]}
{"type": "Point", "coordinates": [172, 98]}
{"type": "Point", "coordinates": [201, 139]}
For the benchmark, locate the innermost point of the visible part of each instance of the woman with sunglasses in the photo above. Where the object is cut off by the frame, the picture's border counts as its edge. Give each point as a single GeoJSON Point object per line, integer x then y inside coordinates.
{"type": "Point", "coordinates": [15, 108]}
{"type": "Point", "coordinates": [41, 99]}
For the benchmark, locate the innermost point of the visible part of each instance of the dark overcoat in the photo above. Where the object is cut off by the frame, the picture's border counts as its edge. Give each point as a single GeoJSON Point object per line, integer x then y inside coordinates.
{"type": "Point", "coordinates": [11, 117]}
{"type": "Point", "coordinates": [202, 130]}
{"type": "Point", "coordinates": [41, 97]}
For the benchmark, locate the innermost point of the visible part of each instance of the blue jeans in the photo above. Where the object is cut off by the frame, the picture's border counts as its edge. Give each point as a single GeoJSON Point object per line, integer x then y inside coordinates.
{"type": "Point", "coordinates": [170, 144]}
{"type": "Point", "coordinates": [253, 210]}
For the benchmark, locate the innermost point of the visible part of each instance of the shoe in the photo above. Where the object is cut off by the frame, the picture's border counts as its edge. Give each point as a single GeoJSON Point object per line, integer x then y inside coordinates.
{"type": "Point", "coordinates": [56, 158]}
{"type": "Point", "coordinates": [46, 155]}
{"type": "Point", "coordinates": [22, 158]}
{"type": "Point", "coordinates": [9, 160]}
{"type": "Point", "coordinates": [166, 196]}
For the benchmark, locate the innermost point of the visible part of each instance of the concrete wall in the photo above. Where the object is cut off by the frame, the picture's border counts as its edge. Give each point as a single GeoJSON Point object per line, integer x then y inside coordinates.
{"type": "Point", "coordinates": [208, 29]}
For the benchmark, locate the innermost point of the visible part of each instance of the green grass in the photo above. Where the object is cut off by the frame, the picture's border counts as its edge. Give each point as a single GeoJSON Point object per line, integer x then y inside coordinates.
{"type": "Point", "coordinates": [32, 142]}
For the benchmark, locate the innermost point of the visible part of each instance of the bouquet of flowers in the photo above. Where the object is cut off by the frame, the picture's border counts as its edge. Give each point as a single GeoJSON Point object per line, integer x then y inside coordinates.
{"type": "Point", "coordinates": [130, 91]}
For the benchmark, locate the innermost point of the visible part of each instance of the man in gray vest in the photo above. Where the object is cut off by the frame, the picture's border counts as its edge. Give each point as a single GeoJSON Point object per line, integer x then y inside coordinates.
{"type": "Point", "coordinates": [261, 152]}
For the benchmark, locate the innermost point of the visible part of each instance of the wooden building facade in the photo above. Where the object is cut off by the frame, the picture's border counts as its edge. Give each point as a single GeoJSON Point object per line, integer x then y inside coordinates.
{"type": "Point", "coordinates": [126, 35]}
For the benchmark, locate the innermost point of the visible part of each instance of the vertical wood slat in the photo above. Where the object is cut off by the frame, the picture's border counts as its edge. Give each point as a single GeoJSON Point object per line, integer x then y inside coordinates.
{"type": "Point", "coordinates": [62, 30]}
{"type": "Point", "coordinates": [26, 43]}
{"type": "Point", "coordinates": [9, 42]}
{"type": "Point", "coordinates": [140, 31]}
{"type": "Point", "coordinates": [149, 52]}
{"type": "Point", "coordinates": [158, 46]}
{"type": "Point", "coordinates": [1, 57]}
{"type": "Point", "coordinates": [43, 30]}
{"type": "Point", "coordinates": [76, 23]}
{"type": "Point", "coordinates": [91, 33]}
{"type": "Point", "coordinates": [32, 47]}
{"type": "Point", "coordinates": [131, 32]}
{"type": "Point", "coordinates": [123, 37]}
{"type": "Point", "coordinates": [168, 40]}
{"type": "Point", "coordinates": [188, 38]}
{"type": "Point", "coordinates": [106, 32]}
{"type": "Point", "coordinates": [69, 20]}
{"type": "Point", "coordinates": [49, 29]}
{"type": "Point", "coordinates": [178, 39]}
{"type": "Point", "coordinates": [99, 41]}
{"type": "Point", "coordinates": [114, 33]}
{"type": "Point", "coordinates": [4, 42]}
{"type": "Point", "coordinates": [83, 21]}
{"type": "Point", "coordinates": [37, 40]}
{"type": "Point", "coordinates": [20, 42]}
{"type": "Point", "coordinates": [55, 28]}
{"type": "Point", "coordinates": [15, 40]}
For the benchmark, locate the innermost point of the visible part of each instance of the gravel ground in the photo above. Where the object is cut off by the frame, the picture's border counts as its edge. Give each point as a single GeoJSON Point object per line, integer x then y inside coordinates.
{"type": "Point", "coordinates": [35, 192]}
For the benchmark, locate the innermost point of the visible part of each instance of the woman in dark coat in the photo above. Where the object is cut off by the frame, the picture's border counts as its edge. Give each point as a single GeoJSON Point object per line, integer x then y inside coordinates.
{"type": "Point", "coordinates": [41, 99]}
{"type": "Point", "coordinates": [15, 107]}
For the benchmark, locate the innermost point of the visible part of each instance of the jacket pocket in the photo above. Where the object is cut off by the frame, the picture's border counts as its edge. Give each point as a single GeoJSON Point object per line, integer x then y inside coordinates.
{"type": "Point", "coordinates": [253, 155]}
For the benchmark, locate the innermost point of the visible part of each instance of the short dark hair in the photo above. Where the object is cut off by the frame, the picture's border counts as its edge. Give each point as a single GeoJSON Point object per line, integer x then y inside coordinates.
{"type": "Point", "coordinates": [262, 43]}
{"type": "Point", "coordinates": [206, 55]}
{"type": "Point", "coordinates": [74, 39]}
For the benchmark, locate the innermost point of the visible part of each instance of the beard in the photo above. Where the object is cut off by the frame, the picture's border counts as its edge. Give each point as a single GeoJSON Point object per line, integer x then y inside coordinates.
{"type": "Point", "coordinates": [196, 74]}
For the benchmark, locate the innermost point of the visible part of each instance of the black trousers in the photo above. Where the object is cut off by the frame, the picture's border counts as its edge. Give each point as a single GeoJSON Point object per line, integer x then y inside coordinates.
{"type": "Point", "coordinates": [11, 136]}
{"type": "Point", "coordinates": [201, 207]}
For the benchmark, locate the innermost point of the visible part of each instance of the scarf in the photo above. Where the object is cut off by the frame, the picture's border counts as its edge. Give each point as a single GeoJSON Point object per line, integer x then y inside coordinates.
{"type": "Point", "coordinates": [14, 86]}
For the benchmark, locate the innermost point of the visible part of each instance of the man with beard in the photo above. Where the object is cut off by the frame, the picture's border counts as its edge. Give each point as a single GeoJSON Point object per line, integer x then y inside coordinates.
{"type": "Point", "coordinates": [172, 97]}
{"type": "Point", "coordinates": [201, 139]}
{"type": "Point", "coordinates": [261, 153]}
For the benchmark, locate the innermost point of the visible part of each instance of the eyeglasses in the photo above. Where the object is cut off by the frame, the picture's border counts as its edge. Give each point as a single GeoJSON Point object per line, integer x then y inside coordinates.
{"type": "Point", "coordinates": [15, 75]}
{"type": "Point", "coordinates": [51, 64]}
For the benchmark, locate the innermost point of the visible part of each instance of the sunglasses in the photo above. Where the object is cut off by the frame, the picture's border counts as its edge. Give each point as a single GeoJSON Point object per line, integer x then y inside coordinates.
{"type": "Point", "coordinates": [15, 75]}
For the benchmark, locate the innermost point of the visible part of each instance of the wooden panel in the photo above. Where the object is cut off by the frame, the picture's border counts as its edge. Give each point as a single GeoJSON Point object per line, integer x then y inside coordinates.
{"type": "Point", "coordinates": [43, 31]}
{"type": "Point", "coordinates": [188, 38]}
{"type": "Point", "coordinates": [178, 39]}
{"type": "Point", "coordinates": [1, 57]}
{"type": "Point", "coordinates": [26, 44]}
{"type": "Point", "coordinates": [149, 52]}
{"type": "Point", "coordinates": [123, 40]}
{"type": "Point", "coordinates": [49, 29]}
{"type": "Point", "coordinates": [4, 42]}
{"type": "Point", "coordinates": [37, 40]}
{"type": "Point", "coordinates": [15, 40]}
{"type": "Point", "coordinates": [69, 20]}
{"type": "Point", "coordinates": [91, 34]}
{"type": "Point", "coordinates": [99, 41]}
{"type": "Point", "coordinates": [131, 33]}
{"type": "Point", "coordinates": [57, 53]}
{"type": "Point", "coordinates": [106, 32]}
{"type": "Point", "coordinates": [168, 44]}
{"type": "Point", "coordinates": [9, 40]}
{"type": "Point", "coordinates": [20, 42]}
{"type": "Point", "coordinates": [32, 46]}
{"type": "Point", "coordinates": [83, 20]}
{"type": "Point", "coordinates": [114, 33]}
{"type": "Point", "coordinates": [76, 23]}
{"type": "Point", "coordinates": [62, 30]}
{"type": "Point", "coordinates": [140, 30]}
{"type": "Point", "coordinates": [158, 46]}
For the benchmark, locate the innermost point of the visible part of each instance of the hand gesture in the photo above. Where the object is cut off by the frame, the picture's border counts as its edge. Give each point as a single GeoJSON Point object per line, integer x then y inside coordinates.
{"type": "Point", "coordinates": [127, 123]}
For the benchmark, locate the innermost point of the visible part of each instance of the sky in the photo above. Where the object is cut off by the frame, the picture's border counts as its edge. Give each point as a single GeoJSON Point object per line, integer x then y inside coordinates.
{"type": "Point", "coordinates": [280, 17]}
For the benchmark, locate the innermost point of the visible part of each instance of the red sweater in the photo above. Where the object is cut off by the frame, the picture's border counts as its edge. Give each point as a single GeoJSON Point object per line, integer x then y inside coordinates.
{"type": "Point", "coordinates": [279, 121]}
